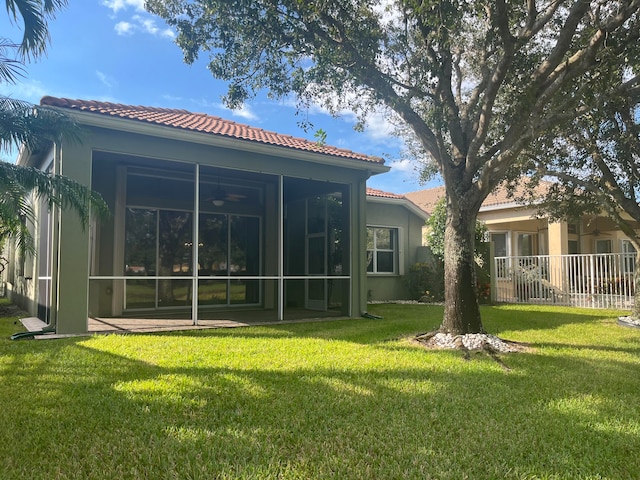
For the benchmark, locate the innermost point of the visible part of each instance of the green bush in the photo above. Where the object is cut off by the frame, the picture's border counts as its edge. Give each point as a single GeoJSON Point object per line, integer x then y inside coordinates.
{"type": "Point", "coordinates": [427, 280]}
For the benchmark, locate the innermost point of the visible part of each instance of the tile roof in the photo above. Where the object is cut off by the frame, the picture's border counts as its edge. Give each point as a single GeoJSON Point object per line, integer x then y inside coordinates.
{"type": "Point", "coordinates": [201, 122]}
{"type": "Point", "coordinates": [427, 199]}
{"type": "Point", "coordinates": [372, 192]}
{"type": "Point", "coordinates": [375, 193]}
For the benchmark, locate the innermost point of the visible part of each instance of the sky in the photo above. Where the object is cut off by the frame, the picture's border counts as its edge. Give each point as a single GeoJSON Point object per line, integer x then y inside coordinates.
{"type": "Point", "coordinates": [115, 51]}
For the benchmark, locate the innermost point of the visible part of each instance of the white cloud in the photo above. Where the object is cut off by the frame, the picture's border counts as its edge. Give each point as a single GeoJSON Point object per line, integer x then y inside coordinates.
{"type": "Point", "coordinates": [105, 79]}
{"type": "Point", "coordinates": [379, 128]}
{"type": "Point", "coordinates": [117, 5]}
{"type": "Point", "coordinates": [402, 165]}
{"type": "Point", "coordinates": [147, 25]}
{"type": "Point", "coordinates": [245, 112]}
{"type": "Point", "coordinates": [28, 90]}
{"type": "Point", "coordinates": [142, 24]}
{"type": "Point", "coordinates": [124, 28]}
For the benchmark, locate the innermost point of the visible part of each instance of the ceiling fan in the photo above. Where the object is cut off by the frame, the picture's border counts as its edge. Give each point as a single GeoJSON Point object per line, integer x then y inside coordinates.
{"type": "Point", "coordinates": [220, 196]}
{"type": "Point", "coordinates": [596, 232]}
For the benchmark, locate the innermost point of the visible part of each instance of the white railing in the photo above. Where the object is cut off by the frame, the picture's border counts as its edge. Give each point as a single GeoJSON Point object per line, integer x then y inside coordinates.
{"type": "Point", "coordinates": [595, 281]}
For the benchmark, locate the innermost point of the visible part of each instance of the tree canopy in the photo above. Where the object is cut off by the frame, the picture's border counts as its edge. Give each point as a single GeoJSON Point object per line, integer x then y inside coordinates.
{"type": "Point", "coordinates": [473, 83]}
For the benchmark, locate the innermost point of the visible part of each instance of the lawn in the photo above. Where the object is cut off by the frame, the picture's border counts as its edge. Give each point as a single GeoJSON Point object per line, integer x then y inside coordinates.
{"type": "Point", "coordinates": [350, 399]}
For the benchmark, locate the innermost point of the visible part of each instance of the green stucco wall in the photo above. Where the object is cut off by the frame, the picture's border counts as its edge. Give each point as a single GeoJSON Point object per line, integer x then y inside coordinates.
{"type": "Point", "coordinates": [382, 287]}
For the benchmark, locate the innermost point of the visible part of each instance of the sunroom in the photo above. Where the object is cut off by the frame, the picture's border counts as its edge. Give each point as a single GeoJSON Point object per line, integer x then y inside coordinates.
{"type": "Point", "coordinates": [209, 219]}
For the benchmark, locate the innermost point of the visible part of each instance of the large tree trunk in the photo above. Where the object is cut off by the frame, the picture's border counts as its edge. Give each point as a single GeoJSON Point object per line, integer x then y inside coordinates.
{"type": "Point", "coordinates": [461, 311]}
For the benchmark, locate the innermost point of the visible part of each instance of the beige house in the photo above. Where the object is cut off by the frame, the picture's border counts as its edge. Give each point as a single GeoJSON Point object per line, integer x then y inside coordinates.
{"type": "Point", "coordinates": [584, 258]}
{"type": "Point", "coordinates": [515, 229]}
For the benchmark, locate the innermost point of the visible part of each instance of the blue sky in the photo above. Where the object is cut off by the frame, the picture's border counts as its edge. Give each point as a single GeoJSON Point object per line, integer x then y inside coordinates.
{"type": "Point", "coordinates": [112, 50]}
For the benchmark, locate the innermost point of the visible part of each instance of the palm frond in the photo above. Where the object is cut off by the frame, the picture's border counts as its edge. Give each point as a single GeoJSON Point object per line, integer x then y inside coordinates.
{"type": "Point", "coordinates": [10, 68]}
{"type": "Point", "coordinates": [34, 126]}
{"type": "Point", "coordinates": [21, 186]}
{"type": "Point", "coordinates": [34, 15]}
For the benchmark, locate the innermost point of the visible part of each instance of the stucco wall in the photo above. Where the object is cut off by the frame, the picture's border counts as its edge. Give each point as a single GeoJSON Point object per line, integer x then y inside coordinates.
{"type": "Point", "coordinates": [381, 213]}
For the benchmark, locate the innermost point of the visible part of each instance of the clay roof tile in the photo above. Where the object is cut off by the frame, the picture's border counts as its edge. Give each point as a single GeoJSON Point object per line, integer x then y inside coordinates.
{"type": "Point", "coordinates": [204, 123]}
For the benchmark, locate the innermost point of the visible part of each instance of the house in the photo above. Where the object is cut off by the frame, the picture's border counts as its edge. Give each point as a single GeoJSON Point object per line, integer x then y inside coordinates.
{"type": "Point", "coordinates": [516, 230]}
{"type": "Point", "coordinates": [569, 262]}
{"type": "Point", "coordinates": [394, 238]}
{"type": "Point", "coordinates": [209, 218]}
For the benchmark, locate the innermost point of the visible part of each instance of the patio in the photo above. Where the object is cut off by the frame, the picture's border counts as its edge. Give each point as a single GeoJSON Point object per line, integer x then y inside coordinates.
{"type": "Point", "coordinates": [105, 326]}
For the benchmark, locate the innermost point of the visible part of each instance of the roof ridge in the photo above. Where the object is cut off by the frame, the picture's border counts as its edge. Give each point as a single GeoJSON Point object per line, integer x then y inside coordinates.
{"type": "Point", "coordinates": [71, 103]}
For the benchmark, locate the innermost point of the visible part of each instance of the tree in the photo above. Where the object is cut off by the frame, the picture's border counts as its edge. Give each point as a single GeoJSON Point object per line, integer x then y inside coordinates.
{"type": "Point", "coordinates": [596, 162]}
{"type": "Point", "coordinates": [34, 16]}
{"type": "Point", "coordinates": [35, 128]}
{"type": "Point", "coordinates": [437, 223]}
{"type": "Point", "coordinates": [473, 82]}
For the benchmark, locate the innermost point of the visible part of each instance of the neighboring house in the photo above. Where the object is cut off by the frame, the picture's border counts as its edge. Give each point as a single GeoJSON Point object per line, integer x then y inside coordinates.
{"type": "Point", "coordinates": [573, 257]}
{"type": "Point", "coordinates": [281, 222]}
{"type": "Point", "coordinates": [515, 230]}
{"type": "Point", "coordinates": [394, 237]}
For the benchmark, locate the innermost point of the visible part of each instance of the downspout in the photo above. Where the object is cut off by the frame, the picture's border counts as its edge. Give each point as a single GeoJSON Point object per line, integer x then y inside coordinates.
{"type": "Point", "coordinates": [44, 331]}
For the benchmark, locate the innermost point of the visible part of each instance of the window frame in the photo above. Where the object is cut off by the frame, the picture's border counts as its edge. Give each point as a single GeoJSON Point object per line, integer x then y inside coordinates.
{"type": "Point", "coordinates": [628, 260]}
{"type": "Point", "coordinates": [395, 250]}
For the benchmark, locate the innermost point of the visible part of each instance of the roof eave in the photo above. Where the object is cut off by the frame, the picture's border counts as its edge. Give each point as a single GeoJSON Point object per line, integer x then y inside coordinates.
{"type": "Point", "coordinates": [408, 204]}
{"type": "Point", "coordinates": [27, 158]}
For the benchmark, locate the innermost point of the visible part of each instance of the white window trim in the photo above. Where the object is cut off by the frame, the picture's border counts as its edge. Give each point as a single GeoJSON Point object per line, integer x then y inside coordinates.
{"type": "Point", "coordinates": [398, 252]}
{"type": "Point", "coordinates": [595, 245]}
{"type": "Point", "coordinates": [532, 234]}
{"type": "Point", "coordinates": [507, 234]}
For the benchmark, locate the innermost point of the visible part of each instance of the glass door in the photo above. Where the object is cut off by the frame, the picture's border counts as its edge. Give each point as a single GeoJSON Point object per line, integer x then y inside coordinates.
{"type": "Point", "coordinates": [316, 253]}
{"type": "Point", "coordinates": [229, 249]}
{"type": "Point", "coordinates": [157, 244]}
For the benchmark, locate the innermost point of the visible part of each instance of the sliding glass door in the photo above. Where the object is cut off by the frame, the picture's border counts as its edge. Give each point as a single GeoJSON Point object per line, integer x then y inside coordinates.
{"type": "Point", "coordinates": [229, 248]}
{"type": "Point", "coordinates": [157, 244]}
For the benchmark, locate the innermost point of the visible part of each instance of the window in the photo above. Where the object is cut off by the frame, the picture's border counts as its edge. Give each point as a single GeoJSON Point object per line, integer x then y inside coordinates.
{"type": "Point", "coordinates": [603, 246]}
{"type": "Point", "coordinates": [382, 250]}
{"type": "Point", "coordinates": [526, 244]}
{"type": "Point", "coordinates": [501, 249]}
{"type": "Point", "coordinates": [628, 256]}
{"type": "Point", "coordinates": [499, 244]}
{"type": "Point", "coordinates": [573, 247]}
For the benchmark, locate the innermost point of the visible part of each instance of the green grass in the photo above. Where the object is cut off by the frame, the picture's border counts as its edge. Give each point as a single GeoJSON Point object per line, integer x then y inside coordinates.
{"type": "Point", "coordinates": [340, 399]}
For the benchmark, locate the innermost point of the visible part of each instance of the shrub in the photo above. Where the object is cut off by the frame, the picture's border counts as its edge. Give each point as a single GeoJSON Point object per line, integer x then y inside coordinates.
{"type": "Point", "coordinates": [427, 280]}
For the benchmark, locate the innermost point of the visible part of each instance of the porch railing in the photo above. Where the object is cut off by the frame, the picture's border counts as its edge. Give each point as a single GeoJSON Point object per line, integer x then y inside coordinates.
{"type": "Point", "coordinates": [595, 281]}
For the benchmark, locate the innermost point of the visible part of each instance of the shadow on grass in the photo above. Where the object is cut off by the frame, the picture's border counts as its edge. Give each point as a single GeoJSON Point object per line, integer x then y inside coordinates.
{"type": "Point", "coordinates": [407, 320]}
{"type": "Point", "coordinates": [184, 406]}
{"type": "Point", "coordinates": [539, 317]}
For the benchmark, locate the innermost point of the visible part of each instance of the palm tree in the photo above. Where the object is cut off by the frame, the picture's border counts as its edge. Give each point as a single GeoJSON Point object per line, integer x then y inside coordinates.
{"type": "Point", "coordinates": [35, 15]}
{"type": "Point", "coordinates": [34, 128]}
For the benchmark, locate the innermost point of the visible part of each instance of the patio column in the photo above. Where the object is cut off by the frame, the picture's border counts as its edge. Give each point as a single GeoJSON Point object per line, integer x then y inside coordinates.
{"type": "Point", "coordinates": [72, 275]}
{"type": "Point", "coordinates": [359, 248]}
{"type": "Point", "coordinates": [558, 245]}
{"type": "Point", "coordinates": [558, 238]}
